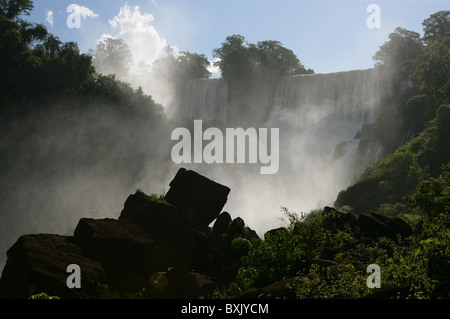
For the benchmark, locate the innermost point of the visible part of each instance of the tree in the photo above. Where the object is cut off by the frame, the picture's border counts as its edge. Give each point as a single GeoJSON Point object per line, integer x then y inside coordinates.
{"type": "Point", "coordinates": [437, 27]}
{"type": "Point", "coordinates": [193, 65]}
{"type": "Point", "coordinates": [272, 57]}
{"type": "Point", "coordinates": [403, 46]}
{"type": "Point", "coordinates": [233, 58]}
{"type": "Point", "coordinates": [11, 9]}
{"type": "Point", "coordinates": [252, 72]}
{"type": "Point", "coordinates": [432, 196]}
{"type": "Point", "coordinates": [17, 38]}
{"type": "Point", "coordinates": [112, 56]}
{"type": "Point", "coordinates": [433, 66]}
{"type": "Point", "coordinates": [239, 59]}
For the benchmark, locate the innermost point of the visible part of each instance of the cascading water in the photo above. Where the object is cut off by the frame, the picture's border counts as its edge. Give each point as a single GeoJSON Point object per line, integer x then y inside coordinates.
{"type": "Point", "coordinates": [318, 117]}
{"type": "Point", "coordinates": [206, 100]}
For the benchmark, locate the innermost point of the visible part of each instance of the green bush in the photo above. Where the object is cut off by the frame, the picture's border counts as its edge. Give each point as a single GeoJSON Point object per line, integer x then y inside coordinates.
{"type": "Point", "coordinates": [43, 295]}
{"type": "Point", "coordinates": [432, 196]}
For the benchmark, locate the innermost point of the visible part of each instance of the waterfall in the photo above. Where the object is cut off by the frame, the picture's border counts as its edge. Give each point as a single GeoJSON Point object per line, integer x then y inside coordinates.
{"type": "Point", "coordinates": [350, 96]}
{"type": "Point", "coordinates": [318, 117]}
{"type": "Point", "coordinates": [206, 100]}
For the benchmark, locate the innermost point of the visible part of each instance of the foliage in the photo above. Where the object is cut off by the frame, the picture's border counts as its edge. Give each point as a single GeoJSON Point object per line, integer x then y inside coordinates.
{"type": "Point", "coordinates": [112, 56]}
{"type": "Point", "coordinates": [412, 267]}
{"type": "Point", "coordinates": [321, 284]}
{"type": "Point", "coordinates": [43, 295]}
{"type": "Point", "coordinates": [285, 253]}
{"type": "Point", "coordinates": [403, 45]}
{"type": "Point", "coordinates": [436, 27]}
{"type": "Point", "coordinates": [432, 195]}
{"type": "Point", "coordinates": [237, 59]}
{"type": "Point", "coordinates": [155, 197]}
{"type": "Point", "coordinates": [252, 72]}
{"type": "Point", "coordinates": [418, 69]}
{"type": "Point", "coordinates": [11, 9]}
{"type": "Point", "coordinates": [181, 68]}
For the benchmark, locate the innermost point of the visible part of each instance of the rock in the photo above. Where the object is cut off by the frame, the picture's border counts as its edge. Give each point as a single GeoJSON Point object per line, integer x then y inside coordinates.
{"type": "Point", "coordinates": [443, 290]}
{"type": "Point", "coordinates": [236, 228]}
{"type": "Point", "coordinates": [228, 275]}
{"type": "Point", "coordinates": [249, 234]}
{"type": "Point", "coordinates": [280, 289]}
{"type": "Point", "coordinates": [38, 263]}
{"type": "Point", "coordinates": [222, 223]}
{"type": "Point", "coordinates": [337, 221]}
{"type": "Point", "coordinates": [324, 262]}
{"type": "Point", "coordinates": [360, 196]}
{"type": "Point", "coordinates": [125, 251]}
{"type": "Point", "coordinates": [190, 286]}
{"type": "Point", "coordinates": [376, 225]}
{"type": "Point", "coordinates": [158, 218]}
{"type": "Point", "coordinates": [201, 198]}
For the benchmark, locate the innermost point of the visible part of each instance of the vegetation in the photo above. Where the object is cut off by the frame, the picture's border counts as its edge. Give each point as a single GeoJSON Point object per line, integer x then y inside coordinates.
{"type": "Point", "coordinates": [411, 181]}
{"type": "Point", "coordinates": [252, 72]}
{"type": "Point", "coordinates": [43, 295]}
{"type": "Point", "coordinates": [411, 267]}
{"type": "Point", "coordinates": [414, 135]}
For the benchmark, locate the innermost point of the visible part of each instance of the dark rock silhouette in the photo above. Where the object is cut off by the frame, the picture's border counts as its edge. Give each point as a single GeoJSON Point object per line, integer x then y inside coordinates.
{"type": "Point", "coordinates": [155, 249]}
{"type": "Point", "coordinates": [38, 263]}
{"type": "Point", "coordinates": [201, 198]}
{"type": "Point", "coordinates": [375, 225]}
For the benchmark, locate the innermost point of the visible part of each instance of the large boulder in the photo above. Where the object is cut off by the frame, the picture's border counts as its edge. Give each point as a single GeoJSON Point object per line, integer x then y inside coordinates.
{"type": "Point", "coordinates": [38, 263]}
{"type": "Point", "coordinates": [191, 286]}
{"type": "Point", "coordinates": [281, 289]}
{"type": "Point", "coordinates": [159, 218]}
{"type": "Point", "coordinates": [375, 225]}
{"type": "Point", "coordinates": [335, 221]}
{"type": "Point", "coordinates": [222, 223]}
{"type": "Point", "coordinates": [361, 197]}
{"type": "Point", "coordinates": [125, 251]}
{"type": "Point", "coordinates": [200, 197]}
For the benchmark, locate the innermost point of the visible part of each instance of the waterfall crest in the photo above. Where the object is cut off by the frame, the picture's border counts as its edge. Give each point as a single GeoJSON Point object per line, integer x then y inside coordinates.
{"type": "Point", "coordinates": [206, 100]}
{"type": "Point", "coordinates": [318, 117]}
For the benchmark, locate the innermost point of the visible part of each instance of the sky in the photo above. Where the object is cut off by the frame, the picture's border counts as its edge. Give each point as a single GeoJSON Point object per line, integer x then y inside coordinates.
{"type": "Point", "coordinates": [327, 36]}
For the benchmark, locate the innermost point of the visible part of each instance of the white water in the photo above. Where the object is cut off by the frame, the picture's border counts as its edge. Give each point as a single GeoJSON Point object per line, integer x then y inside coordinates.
{"type": "Point", "coordinates": [318, 117]}
{"type": "Point", "coordinates": [206, 100]}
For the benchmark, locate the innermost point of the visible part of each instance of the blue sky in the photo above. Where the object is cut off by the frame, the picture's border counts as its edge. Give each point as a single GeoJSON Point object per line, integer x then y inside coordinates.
{"type": "Point", "coordinates": [327, 36]}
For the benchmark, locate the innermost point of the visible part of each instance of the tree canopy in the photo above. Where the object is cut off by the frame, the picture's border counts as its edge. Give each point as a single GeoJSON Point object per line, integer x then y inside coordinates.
{"type": "Point", "coordinates": [112, 56]}
{"type": "Point", "coordinates": [237, 58]}
{"type": "Point", "coordinates": [182, 67]}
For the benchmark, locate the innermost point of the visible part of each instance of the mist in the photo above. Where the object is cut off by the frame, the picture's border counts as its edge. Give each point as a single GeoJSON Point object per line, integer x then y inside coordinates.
{"type": "Point", "coordinates": [71, 161]}
{"type": "Point", "coordinates": [319, 117]}
{"type": "Point", "coordinates": [76, 160]}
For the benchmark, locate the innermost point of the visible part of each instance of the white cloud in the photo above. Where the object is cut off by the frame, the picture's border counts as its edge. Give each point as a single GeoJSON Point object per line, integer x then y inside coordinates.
{"type": "Point", "coordinates": [136, 30]}
{"type": "Point", "coordinates": [85, 12]}
{"type": "Point", "coordinates": [49, 17]}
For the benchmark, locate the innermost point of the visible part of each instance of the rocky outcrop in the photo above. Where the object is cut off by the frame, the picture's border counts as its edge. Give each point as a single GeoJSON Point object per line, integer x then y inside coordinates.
{"type": "Point", "coordinates": [200, 198]}
{"type": "Point", "coordinates": [369, 225]}
{"type": "Point", "coordinates": [155, 249]}
{"type": "Point", "coordinates": [376, 225]}
{"type": "Point", "coordinates": [38, 263]}
{"type": "Point", "coordinates": [164, 248]}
